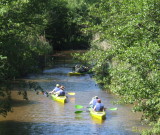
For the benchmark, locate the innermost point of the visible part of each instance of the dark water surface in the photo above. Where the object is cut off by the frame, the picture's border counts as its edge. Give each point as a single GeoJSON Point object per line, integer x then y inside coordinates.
{"type": "Point", "coordinates": [43, 116]}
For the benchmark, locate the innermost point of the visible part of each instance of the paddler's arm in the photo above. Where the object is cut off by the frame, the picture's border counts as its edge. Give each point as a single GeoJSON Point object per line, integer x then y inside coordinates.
{"type": "Point", "coordinates": [94, 108]}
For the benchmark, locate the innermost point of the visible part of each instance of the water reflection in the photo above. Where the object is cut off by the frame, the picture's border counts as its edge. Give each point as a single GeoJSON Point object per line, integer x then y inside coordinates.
{"type": "Point", "coordinates": [71, 99]}
{"type": "Point", "coordinates": [97, 121]}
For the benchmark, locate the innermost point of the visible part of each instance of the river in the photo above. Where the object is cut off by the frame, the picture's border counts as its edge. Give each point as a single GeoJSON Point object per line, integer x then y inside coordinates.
{"type": "Point", "coordinates": [40, 115]}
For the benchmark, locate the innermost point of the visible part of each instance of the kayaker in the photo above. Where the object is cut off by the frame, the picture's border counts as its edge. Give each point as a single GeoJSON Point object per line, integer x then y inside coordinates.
{"type": "Point", "coordinates": [81, 69]}
{"type": "Point", "coordinates": [77, 68]}
{"type": "Point", "coordinates": [93, 101]}
{"type": "Point", "coordinates": [99, 106]}
{"type": "Point", "coordinates": [61, 92]}
{"type": "Point", "coordinates": [56, 89]}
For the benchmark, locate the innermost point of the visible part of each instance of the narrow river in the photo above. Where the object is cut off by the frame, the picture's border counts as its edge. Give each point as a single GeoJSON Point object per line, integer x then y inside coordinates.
{"type": "Point", "coordinates": [40, 115]}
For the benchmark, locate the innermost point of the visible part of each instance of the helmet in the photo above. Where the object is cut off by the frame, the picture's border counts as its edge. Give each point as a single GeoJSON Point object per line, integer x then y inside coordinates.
{"type": "Point", "coordinates": [57, 85]}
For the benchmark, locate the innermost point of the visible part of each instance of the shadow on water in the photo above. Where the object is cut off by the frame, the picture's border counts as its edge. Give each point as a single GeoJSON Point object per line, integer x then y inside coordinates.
{"type": "Point", "coordinates": [20, 103]}
{"type": "Point", "coordinates": [27, 128]}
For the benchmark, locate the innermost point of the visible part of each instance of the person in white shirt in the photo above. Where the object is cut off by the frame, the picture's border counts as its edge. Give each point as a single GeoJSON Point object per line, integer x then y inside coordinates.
{"type": "Point", "coordinates": [56, 89]}
{"type": "Point", "coordinates": [93, 101]}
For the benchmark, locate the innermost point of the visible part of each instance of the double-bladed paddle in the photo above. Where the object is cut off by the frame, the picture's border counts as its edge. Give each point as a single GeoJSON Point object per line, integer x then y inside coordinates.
{"type": "Point", "coordinates": [69, 93]}
{"type": "Point", "coordinates": [80, 107]}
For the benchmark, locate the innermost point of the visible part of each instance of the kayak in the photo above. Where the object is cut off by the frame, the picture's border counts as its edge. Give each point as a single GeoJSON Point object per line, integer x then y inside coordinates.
{"type": "Point", "coordinates": [62, 99]}
{"type": "Point", "coordinates": [98, 115]}
{"type": "Point", "coordinates": [75, 73]}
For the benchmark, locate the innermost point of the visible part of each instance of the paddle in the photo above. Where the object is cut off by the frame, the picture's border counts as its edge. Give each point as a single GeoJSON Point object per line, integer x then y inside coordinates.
{"type": "Point", "coordinates": [80, 107]}
{"type": "Point", "coordinates": [78, 111]}
{"type": "Point", "coordinates": [112, 109]}
{"type": "Point", "coordinates": [71, 93]}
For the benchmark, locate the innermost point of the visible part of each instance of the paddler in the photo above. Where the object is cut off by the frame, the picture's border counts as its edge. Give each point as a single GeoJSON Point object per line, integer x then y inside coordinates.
{"type": "Point", "coordinates": [56, 89]}
{"type": "Point", "coordinates": [61, 92]}
{"type": "Point", "coordinates": [93, 101]}
{"type": "Point", "coordinates": [99, 106]}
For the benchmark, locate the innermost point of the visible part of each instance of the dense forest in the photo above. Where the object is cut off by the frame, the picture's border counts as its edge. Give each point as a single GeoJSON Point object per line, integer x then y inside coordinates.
{"type": "Point", "coordinates": [123, 37]}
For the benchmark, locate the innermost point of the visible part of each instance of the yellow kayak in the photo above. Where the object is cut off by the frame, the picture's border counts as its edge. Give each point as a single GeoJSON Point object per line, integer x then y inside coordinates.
{"type": "Point", "coordinates": [62, 99]}
{"type": "Point", "coordinates": [98, 115]}
{"type": "Point", "coordinates": [75, 73]}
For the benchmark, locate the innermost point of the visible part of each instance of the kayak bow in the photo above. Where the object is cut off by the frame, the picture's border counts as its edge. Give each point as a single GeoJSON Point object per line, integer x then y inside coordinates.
{"type": "Point", "coordinates": [75, 73]}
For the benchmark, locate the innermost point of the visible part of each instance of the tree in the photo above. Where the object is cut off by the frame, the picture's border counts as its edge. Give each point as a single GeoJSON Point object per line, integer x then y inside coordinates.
{"type": "Point", "coordinates": [22, 40]}
{"type": "Point", "coordinates": [129, 30]}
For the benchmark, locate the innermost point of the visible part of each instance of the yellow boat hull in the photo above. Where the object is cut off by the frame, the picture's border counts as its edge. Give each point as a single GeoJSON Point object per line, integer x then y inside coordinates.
{"type": "Point", "coordinates": [62, 99]}
{"type": "Point", "coordinates": [98, 115]}
{"type": "Point", "coordinates": [75, 73]}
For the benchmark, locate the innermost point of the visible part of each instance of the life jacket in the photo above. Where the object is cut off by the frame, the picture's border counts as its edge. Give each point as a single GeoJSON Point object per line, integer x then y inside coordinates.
{"type": "Point", "coordinates": [62, 93]}
{"type": "Point", "coordinates": [99, 107]}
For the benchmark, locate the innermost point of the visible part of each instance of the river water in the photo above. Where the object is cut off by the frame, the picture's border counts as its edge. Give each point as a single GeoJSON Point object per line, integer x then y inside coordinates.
{"type": "Point", "coordinates": [40, 115]}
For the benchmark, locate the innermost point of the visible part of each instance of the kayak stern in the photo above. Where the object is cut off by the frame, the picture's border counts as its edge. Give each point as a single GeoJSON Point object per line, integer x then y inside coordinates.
{"type": "Point", "coordinates": [98, 115]}
{"type": "Point", "coordinates": [62, 99]}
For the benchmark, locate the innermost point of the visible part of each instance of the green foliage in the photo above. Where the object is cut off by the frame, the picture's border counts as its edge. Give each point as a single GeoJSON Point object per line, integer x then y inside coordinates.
{"type": "Point", "coordinates": [22, 41]}
{"type": "Point", "coordinates": [3, 67]}
{"type": "Point", "coordinates": [126, 46]}
{"type": "Point", "coordinates": [64, 30]}
{"type": "Point", "coordinates": [5, 98]}
{"type": "Point", "coordinates": [5, 106]}
{"type": "Point", "coordinates": [21, 36]}
{"type": "Point", "coordinates": [154, 131]}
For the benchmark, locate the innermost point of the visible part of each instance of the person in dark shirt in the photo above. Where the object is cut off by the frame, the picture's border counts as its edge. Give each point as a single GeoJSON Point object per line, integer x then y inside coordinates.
{"type": "Point", "coordinates": [99, 106]}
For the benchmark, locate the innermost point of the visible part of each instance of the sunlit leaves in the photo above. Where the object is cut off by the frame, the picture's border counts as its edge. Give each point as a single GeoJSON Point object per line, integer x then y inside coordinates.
{"type": "Point", "coordinates": [20, 35]}
{"type": "Point", "coordinates": [22, 40]}
{"type": "Point", "coordinates": [132, 28]}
